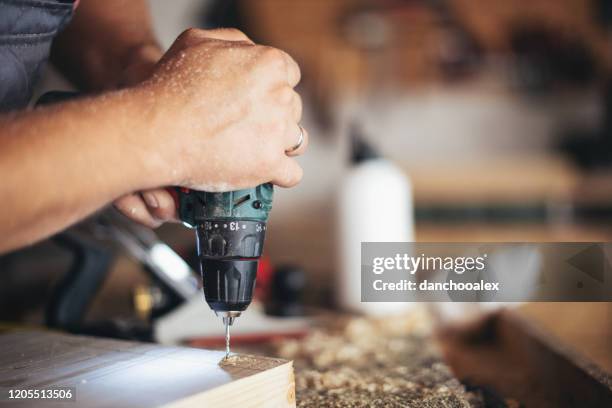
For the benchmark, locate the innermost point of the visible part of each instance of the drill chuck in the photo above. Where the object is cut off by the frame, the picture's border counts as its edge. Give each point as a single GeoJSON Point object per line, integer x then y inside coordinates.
{"type": "Point", "coordinates": [228, 284]}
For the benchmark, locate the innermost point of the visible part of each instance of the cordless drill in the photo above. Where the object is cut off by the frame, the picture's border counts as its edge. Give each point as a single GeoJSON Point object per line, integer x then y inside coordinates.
{"type": "Point", "coordinates": [230, 231]}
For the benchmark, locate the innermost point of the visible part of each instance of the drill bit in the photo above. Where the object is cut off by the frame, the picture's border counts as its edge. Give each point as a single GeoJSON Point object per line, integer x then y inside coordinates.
{"type": "Point", "coordinates": [227, 338]}
{"type": "Point", "coordinates": [228, 320]}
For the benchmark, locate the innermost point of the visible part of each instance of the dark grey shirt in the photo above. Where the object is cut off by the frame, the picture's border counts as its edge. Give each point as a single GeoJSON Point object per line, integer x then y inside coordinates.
{"type": "Point", "coordinates": [27, 28]}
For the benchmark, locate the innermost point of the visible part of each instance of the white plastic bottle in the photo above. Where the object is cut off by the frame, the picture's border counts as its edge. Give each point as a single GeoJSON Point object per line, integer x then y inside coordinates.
{"type": "Point", "coordinates": [375, 205]}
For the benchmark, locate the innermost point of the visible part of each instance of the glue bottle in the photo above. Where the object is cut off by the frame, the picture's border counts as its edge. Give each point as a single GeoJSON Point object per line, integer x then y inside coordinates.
{"type": "Point", "coordinates": [375, 205]}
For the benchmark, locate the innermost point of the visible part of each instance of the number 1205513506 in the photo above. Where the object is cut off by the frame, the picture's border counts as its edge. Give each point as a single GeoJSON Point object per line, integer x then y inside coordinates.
{"type": "Point", "coordinates": [62, 393]}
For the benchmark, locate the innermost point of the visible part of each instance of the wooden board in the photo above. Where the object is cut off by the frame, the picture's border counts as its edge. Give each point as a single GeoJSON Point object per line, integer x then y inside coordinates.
{"type": "Point", "coordinates": [112, 373]}
{"type": "Point", "coordinates": [510, 357]}
{"type": "Point", "coordinates": [583, 327]}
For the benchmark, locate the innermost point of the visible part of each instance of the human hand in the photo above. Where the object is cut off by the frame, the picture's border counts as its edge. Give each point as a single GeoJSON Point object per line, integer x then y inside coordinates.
{"type": "Point", "coordinates": [224, 113]}
{"type": "Point", "coordinates": [242, 94]}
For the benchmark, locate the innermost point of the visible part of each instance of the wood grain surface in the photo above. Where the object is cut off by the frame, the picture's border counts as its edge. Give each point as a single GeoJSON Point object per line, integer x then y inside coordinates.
{"type": "Point", "coordinates": [519, 360]}
{"type": "Point", "coordinates": [112, 373]}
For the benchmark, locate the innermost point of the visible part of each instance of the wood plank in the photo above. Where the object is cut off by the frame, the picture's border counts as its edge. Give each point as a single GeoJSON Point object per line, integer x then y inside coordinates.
{"type": "Point", "coordinates": [514, 358]}
{"type": "Point", "coordinates": [113, 373]}
{"type": "Point", "coordinates": [584, 327]}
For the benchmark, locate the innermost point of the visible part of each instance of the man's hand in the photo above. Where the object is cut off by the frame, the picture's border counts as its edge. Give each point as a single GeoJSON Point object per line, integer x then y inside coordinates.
{"type": "Point", "coordinates": [225, 113]}
{"type": "Point", "coordinates": [237, 115]}
{"type": "Point", "coordinates": [127, 54]}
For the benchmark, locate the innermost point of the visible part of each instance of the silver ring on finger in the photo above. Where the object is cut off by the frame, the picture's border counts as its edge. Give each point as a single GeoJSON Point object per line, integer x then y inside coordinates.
{"type": "Point", "coordinates": [299, 143]}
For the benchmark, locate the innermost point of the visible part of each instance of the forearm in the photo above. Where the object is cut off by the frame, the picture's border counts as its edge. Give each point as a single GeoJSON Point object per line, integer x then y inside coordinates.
{"type": "Point", "coordinates": [61, 163]}
{"type": "Point", "coordinates": [102, 40]}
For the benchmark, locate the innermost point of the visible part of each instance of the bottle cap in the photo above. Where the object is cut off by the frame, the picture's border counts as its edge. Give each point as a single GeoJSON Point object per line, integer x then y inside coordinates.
{"type": "Point", "coordinates": [360, 149]}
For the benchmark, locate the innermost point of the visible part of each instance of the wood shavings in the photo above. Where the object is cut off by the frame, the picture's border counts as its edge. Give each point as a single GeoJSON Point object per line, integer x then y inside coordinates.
{"type": "Point", "coordinates": [374, 363]}
{"type": "Point", "coordinates": [250, 362]}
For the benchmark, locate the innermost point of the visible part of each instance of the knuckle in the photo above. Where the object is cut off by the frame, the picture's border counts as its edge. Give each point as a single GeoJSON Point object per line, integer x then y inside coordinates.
{"type": "Point", "coordinates": [273, 56]}
{"type": "Point", "coordinates": [298, 106]}
{"type": "Point", "coordinates": [276, 161]}
{"type": "Point", "coordinates": [190, 33]}
{"type": "Point", "coordinates": [297, 67]}
{"type": "Point", "coordinates": [166, 210]}
{"type": "Point", "coordinates": [190, 37]}
{"type": "Point", "coordinates": [153, 223]}
{"type": "Point", "coordinates": [298, 73]}
{"type": "Point", "coordinates": [122, 205]}
{"type": "Point", "coordinates": [234, 32]}
{"type": "Point", "coordinates": [295, 175]}
{"type": "Point", "coordinates": [286, 95]}
{"type": "Point", "coordinates": [121, 208]}
{"type": "Point", "coordinates": [289, 58]}
{"type": "Point", "coordinates": [119, 202]}
{"type": "Point", "coordinates": [164, 213]}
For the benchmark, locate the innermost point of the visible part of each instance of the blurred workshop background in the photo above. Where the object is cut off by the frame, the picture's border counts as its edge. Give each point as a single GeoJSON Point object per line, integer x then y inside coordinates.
{"type": "Point", "coordinates": [498, 111]}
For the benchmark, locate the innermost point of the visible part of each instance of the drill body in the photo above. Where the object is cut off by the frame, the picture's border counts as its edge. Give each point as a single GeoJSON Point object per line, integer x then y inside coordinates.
{"type": "Point", "coordinates": [230, 229]}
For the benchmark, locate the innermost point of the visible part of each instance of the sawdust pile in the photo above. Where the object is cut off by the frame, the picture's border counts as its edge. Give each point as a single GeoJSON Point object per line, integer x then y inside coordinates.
{"type": "Point", "coordinates": [374, 363]}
